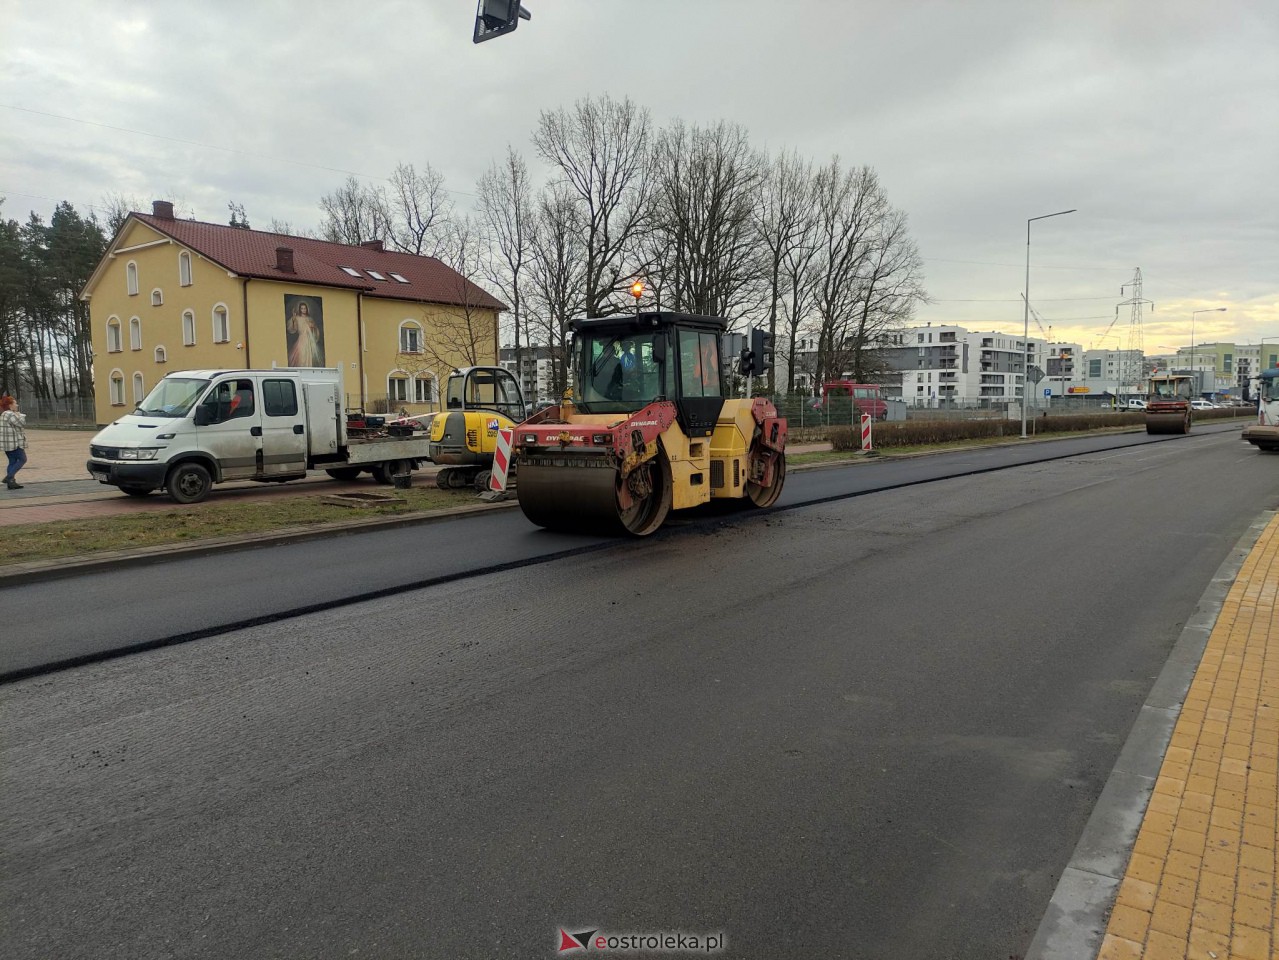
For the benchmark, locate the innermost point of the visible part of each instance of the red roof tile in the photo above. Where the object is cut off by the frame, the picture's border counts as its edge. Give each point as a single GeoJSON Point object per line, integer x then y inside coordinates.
{"type": "Point", "coordinates": [251, 253]}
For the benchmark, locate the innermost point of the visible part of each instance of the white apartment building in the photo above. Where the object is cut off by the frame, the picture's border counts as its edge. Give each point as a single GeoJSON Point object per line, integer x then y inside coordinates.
{"type": "Point", "coordinates": [948, 365]}
{"type": "Point", "coordinates": [535, 375]}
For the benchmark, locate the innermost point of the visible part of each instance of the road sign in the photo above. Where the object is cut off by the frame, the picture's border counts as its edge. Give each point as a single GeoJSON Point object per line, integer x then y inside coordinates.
{"type": "Point", "coordinates": [1048, 391]}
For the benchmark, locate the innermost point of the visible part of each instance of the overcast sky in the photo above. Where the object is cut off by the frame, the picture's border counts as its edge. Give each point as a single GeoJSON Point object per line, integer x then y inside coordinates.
{"type": "Point", "coordinates": [1158, 121]}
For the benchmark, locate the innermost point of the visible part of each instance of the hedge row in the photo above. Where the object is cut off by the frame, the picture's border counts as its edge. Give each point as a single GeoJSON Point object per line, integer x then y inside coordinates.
{"type": "Point", "coordinates": [913, 433]}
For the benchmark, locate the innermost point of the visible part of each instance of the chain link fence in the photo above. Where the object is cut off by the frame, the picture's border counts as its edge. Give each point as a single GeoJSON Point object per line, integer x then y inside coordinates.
{"type": "Point", "coordinates": [59, 413]}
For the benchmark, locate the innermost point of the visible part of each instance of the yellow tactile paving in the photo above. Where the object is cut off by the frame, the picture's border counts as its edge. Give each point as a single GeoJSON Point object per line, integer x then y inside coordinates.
{"type": "Point", "coordinates": [1201, 882]}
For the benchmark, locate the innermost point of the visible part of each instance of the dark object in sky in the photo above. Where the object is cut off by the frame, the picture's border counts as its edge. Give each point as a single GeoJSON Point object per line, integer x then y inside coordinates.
{"type": "Point", "coordinates": [496, 17]}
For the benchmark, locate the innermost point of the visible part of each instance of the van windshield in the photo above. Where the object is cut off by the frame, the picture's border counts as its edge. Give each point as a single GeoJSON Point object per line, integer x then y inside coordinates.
{"type": "Point", "coordinates": [172, 397]}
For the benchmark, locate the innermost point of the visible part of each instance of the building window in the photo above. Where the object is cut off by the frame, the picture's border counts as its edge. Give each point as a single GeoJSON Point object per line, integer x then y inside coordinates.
{"type": "Point", "coordinates": [161, 355]}
{"type": "Point", "coordinates": [424, 390]}
{"type": "Point", "coordinates": [157, 297]}
{"type": "Point", "coordinates": [188, 328]}
{"type": "Point", "coordinates": [375, 275]}
{"type": "Point", "coordinates": [184, 269]}
{"type": "Point", "coordinates": [131, 277]}
{"type": "Point", "coordinates": [117, 388]}
{"type": "Point", "coordinates": [397, 388]}
{"type": "Point", "coordinates": [352, 272]}
{"type": "Point", "coordinates": [139, 392]}
{"type": "Point", "coordinates": [399, 278]}
{"type": "Point", "coordinates": [114, 343]}
{"type": "Point", "coordinates": [221, 325]}
{"type": "Point", "coordinates": [410, 337]}
{"type": "Point", "coordinates": [135, 333]}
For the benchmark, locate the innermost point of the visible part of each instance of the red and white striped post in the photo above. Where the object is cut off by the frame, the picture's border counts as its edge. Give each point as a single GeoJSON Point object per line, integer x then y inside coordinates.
{"type": "Point", "coordinates": [867, 446]}
{"type": "Point", "coordinates": [501, 460]}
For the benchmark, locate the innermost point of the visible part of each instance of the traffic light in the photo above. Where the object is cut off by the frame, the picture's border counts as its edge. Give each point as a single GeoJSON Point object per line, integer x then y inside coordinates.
{"type": "Point", "coordinates": [762, 349]}
{"type": "Point", "coordinates": [746, 363]}
{"type": "Point", "coordinates": [496, 17]}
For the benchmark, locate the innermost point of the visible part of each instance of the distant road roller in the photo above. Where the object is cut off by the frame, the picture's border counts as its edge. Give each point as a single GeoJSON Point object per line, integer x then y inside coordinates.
{"type": "Point", "coordinates": [645, 429]}
{"type": "Point", "coordinates": [1168, 404]}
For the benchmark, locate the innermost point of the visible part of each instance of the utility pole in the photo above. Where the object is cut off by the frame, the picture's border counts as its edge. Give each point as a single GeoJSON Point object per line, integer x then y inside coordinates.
{"type": "Point", "coordinates": [1132, 364]}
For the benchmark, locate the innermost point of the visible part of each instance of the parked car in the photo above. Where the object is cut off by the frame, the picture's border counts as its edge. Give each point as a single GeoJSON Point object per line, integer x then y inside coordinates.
{"type": "Point", "coordinates": [1136, 404]}
{"type": "Point", "coordinates": [1202, 405]}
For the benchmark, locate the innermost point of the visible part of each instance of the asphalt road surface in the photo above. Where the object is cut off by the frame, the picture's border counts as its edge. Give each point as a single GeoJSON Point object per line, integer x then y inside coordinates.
{"type": "Point", "coordinates": [870, 726]}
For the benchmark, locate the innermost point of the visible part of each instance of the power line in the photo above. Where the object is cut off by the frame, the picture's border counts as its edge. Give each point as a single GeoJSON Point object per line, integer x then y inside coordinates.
{"type": "Point", "coordinates": [1018, 300]}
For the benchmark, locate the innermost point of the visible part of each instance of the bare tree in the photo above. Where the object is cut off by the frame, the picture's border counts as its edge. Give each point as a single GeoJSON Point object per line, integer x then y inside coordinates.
{"type": "Point", "coordinates": [354, 213]}
{"type": "Point", "coordinates": [463, 329]}
{"type": "Point", "coordinates": [849, 205]}
{"type": "Point", "coordinates": [783, 222]}
{"type": "Point", "coordinates": [601, 149]}
{"type": "Point", "coordinates": [421, 210]}
{"type": "Point", "coordinates": [115, 208]}
{"type": "Point", "coordinates": [556, 269]}
{"type": "Point", "coordinates": [507, 208]}
{"type": "Point", "coordinates": [706, 185]}
{"type": "Point", "coordinates": [889, 287]}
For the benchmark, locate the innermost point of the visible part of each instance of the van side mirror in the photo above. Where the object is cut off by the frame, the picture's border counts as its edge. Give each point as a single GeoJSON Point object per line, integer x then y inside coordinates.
{"type": "Point", "coordinates": [203, 415]}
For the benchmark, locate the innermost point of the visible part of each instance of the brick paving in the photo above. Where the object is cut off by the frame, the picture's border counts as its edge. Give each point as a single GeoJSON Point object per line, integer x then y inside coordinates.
{"type": "Point", "coordinates": [1201, 881]}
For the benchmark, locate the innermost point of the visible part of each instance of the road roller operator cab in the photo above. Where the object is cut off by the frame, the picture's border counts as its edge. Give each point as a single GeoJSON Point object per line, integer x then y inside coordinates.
{"type": "Point", "coordinates": [644, 429]}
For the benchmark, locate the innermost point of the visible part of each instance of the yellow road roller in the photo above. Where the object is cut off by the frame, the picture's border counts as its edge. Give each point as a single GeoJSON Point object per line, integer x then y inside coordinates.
{"type": "Point", "coordinates": [645, 429]}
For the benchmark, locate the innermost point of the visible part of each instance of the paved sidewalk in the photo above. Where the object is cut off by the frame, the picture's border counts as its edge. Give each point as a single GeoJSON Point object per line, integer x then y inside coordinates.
{"type": "Point", "coordinates": [1201, 881]}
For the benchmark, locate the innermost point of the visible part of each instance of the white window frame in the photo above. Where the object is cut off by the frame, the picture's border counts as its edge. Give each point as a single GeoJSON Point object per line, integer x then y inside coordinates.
{"type": "Point", "coordinates": [115, 338]}
{"type": "Point", "coordinates": [157, 297]}
{"type": "Point", "coordinates": [188, 328]}
{"type": "Point", "coordinates": [429, 395]}
{"type": "Point", "coordinates": [131, 278]}
{"type": "Point", "coordinates": [184, 269]}
{"type": "Point", "coordinates": [421, 336]}
{"type": "Point", "coordinates": [135, 333]}
{"type": "Point", "coordinates": [161, 355]}
{"type": "Point", "coordinates": [397, 377]}
{"type": "Point", "coordinates": [221, 324]}
{"type": "Point", "coordinates": [139, 388]}
{"type": "Point", "coordinates": [116, 379]}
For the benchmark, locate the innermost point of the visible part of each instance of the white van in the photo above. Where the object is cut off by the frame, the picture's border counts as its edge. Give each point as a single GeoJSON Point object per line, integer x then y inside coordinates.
{"type": "Point", "coordinates": [201, 427]}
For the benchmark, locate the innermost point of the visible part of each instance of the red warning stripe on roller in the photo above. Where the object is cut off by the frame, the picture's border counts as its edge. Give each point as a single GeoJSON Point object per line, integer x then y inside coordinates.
{"type": "Point", "coordinates": [501, 460]}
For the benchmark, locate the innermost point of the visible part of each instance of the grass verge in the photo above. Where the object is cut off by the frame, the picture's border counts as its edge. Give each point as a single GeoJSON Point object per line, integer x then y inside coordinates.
{"type": "Point", "coordinates": [25, 543]}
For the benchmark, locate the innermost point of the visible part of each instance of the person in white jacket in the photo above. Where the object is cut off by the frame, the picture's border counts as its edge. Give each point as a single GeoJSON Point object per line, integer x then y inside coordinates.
{"type": "Point", "coordinates": [13, 439]}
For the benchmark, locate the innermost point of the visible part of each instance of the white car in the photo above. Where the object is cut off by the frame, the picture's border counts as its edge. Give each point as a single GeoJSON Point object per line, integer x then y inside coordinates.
{"type": "Point", "coordinates": [1136, 404]}
{"type": "Point", "coordinates": [1202, 405]}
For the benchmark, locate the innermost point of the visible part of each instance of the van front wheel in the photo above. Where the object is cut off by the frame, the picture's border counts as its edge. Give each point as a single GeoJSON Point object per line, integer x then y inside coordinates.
{"type": "Point", "coordinates": [188, 483]}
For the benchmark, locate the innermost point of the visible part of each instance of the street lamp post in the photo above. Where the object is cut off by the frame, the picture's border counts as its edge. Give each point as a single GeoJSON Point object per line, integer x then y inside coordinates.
{"type": "Point", "coordinates": [1194, 352]}
{"type": "Point", "coordinates": [1025, 320]}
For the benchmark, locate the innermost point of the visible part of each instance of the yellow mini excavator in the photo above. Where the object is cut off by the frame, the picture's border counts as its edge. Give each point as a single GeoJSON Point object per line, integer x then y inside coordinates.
{"type": "Point", "coordinates": [478, 401]}
{"type": "Point", "coordinates": [646, 429]}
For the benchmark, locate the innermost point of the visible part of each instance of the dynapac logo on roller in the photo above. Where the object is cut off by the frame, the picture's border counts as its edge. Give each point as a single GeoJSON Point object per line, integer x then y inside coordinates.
{"type": "Point", "coordinates": [645, 423]}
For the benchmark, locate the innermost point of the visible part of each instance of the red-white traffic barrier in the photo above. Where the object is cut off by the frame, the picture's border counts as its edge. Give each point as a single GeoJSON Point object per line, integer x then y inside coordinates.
{"type": "Point", "coordinates": [866, 442]}
{"type": "Point", "coordinates": [501, 460]}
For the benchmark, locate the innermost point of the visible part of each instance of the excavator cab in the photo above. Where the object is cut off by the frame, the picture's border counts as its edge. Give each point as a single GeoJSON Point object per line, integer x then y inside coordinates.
{"type": "Point", "coordinates": [478, 402]}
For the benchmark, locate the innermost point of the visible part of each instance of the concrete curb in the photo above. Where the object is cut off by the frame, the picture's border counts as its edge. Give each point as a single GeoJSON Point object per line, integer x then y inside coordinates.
{"type": "Point", "coordinates": [1075, 921]}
